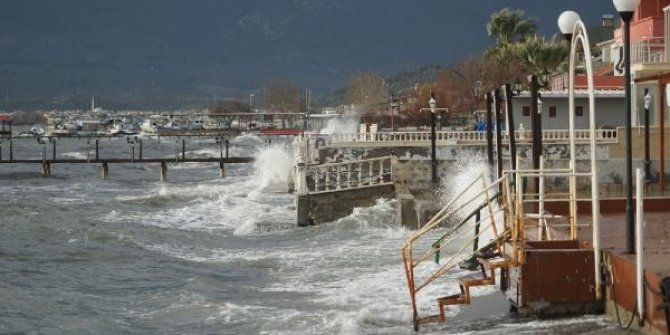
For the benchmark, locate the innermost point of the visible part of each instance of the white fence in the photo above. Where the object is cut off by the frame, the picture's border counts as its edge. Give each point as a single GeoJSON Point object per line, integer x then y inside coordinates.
{"type": "Point", "coordinates": [473, 137]}
{"type": "Point", "coordinates": [343, 176]}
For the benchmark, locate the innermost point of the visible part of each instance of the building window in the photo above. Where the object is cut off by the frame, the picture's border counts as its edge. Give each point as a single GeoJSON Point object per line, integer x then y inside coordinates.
{"type": "Point", "coordinates": [526, 110]}
{"type": "Point", "coordinates": [579, 110]}
{"type": "Point", "coordinates": [552, 111]}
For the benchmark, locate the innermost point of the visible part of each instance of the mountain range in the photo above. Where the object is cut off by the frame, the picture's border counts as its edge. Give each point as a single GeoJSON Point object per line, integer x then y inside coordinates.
{"type": "Point", "coordinates": [179, 53]}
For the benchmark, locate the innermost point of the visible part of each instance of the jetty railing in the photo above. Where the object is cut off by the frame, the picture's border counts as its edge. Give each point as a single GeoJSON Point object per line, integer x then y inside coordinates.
{"type": "Point", "coordinates": [475, 137]}
{"type": "Point", "coordinates": [344, 176]}
{"type": "Point", "coordinates": [46, 147]}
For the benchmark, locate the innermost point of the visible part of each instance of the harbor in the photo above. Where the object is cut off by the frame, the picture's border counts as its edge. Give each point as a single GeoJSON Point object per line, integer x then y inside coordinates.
{"type": "Point", "coordinates": [512, 178]}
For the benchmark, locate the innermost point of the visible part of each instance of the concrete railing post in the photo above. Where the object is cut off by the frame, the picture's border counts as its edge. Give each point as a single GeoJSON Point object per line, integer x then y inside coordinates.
{"type": "Point", "coordinates": [301, 178]}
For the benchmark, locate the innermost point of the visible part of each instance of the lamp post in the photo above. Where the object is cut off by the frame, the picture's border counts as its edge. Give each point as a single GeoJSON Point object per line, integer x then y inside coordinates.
{"type": "Point", "coordinates": [394, 105]}
{"type": "Point", "coordinates": [536, 116]}
{"type": "Point", "coordinates": [579, 42]}
{"type": "Point", "coordinates": [251, 96]}
{"type": "Point", "coordinates": [511, 91]}
{"type": "Point", "coordinates": [566, 22]}
{"type": "Point", "coordinates": [433, 158]}
{"type": "Point", "coordinates": [626, 8]}
{"type": "Point", "coordinates": [647, 161]}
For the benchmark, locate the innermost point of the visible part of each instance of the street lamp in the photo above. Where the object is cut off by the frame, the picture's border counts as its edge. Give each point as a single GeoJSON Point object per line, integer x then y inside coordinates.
{"type": "Point", "coordinates": [433, 158]}
{"type": "Point", "coordinates": [626, 8]}
{"type": "Point", "coordinates": [251, 96]}
{"type": "Point", "coordinates": [647, 162]}
{"type": "Point", "coordinates": [535, 115]}
{"type": "Point", "coordinates": [566, 23]}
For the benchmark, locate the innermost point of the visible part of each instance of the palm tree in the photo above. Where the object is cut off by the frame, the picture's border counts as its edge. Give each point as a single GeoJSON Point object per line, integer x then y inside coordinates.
{"type": "Point", "coordinates": [536, 54]}
{"type": "Point", "coordinates": [508, 26]}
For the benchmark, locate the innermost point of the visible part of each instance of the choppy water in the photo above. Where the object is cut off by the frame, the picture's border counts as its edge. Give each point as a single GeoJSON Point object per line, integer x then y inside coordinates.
{"type": "Point", "coordinates": [204, 255]}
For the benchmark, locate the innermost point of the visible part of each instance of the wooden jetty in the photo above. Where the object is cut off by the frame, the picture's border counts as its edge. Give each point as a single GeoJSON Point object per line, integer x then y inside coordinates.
{"type": "Point", "coordinates": [179, 157]}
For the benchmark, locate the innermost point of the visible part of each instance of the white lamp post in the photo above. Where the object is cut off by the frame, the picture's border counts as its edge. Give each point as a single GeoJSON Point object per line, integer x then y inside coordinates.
{"type": "Point", "coordinates": [626, 8]}
{"type": "Point", "coordinates": [566, 23]}
{"type": "Point", "coordinates": [647, 160]}
{"type": "Point", "coordinates": [579, 37]}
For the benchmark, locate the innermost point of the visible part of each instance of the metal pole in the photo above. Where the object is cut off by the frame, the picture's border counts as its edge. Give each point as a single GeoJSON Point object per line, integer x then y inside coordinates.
{"type": "Point", "coordinates": [96, 150]}
{"type": "Point", "coordinates": [183, 149]}
{"type": "Point", "coordinates": [534, 123]}
{"type": "Point", "coordinates": [226, 148]}
{"type": "Point", "coordinates": [140, 149]}
{"type": "Point", "coordinates": [53, 153]}
{"type": "Point", "coordinates": [510, 126]}
{"type": "Point", "coordinates": [640, 247]}
{"type": "Point", "coordinates": [661, 127]}
{"type": "Point", "coordinates": [630, 226]}
{"type": "Point", "coordinates": [433, 156]}
{"type": "Point", "coordinates": [647, 159]}
{"type": "Point", "coordinates": [489, 130]}
{"type": "Point", "coordinates": [498, 100]}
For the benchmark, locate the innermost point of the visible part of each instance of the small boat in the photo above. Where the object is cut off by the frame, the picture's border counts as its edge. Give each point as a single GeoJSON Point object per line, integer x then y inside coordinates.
{"type": "Point", "coordinates": [120, 127]}
{"type": "Point", "coordinates": [37, 130]}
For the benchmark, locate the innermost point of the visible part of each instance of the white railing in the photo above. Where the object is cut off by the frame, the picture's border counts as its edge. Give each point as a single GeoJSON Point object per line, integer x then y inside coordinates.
{"type": "Point", "coordinates": [344, 176]}
{"type": "Point", "coordinates": [473, 137]}
{"type": "Point", "coordinates": [649, 50]}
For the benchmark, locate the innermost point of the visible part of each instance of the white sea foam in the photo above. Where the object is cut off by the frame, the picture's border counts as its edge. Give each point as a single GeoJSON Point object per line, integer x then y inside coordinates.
{"type": "Point", "coordinates": [341, 126]}
{"type": "Point", "coordinates": [77, 154]}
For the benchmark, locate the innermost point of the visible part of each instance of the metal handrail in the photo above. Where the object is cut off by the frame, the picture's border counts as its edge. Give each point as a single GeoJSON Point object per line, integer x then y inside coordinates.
{"type": "Point", "coordinates": [511, 198]}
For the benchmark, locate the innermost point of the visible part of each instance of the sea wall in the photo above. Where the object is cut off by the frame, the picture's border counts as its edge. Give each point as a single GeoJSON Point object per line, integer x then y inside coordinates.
{"type": "Point", "coordinates": [317, 208]}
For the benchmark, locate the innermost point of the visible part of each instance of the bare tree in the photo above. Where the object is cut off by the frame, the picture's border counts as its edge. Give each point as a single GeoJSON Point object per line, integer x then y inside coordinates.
{"type": "Point", "coordinates": [224, 111]}
{"type": "Point", "coordinates": [367, 90]}
{"type": "Point", "coordinates": [282, 96]}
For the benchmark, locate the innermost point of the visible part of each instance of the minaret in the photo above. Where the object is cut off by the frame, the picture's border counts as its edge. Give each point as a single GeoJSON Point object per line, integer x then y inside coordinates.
{"type": "Point", "coordinates": [92, 104]}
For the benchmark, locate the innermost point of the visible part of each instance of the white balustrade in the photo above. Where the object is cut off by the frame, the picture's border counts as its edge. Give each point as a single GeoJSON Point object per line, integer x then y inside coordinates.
{"type": "Point", "coordinates": [473, 137]}
{"type": "Point", "coordinates": [364, 171]}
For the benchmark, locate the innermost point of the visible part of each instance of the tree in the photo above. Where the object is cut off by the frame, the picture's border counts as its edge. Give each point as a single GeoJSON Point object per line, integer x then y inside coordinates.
{"type": "Point", "coordinates": [367, 90]}
{"type": "Point", "coordinates": [537, 54]}
{"type": "Point", "coordinates": [456, 87]}
{"type": "Point", "coordinates": [508, 26]}
{"type": "Point", "coordinates": [501, 61]}
{"type": "Point", "coordinates": [282, 96]}
{"type": "Point", "coordinates": [225, 111]}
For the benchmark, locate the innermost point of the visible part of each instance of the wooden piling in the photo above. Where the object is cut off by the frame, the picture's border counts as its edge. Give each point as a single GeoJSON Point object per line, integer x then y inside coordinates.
{"type": "Point", "coordinates": [105, 171]}
{"type": "Point", "coordinates": [140, 148]}
{"type": "Point", "coordinates": [222, 171]}
{"type": "Point", "coordinates": [163, 171]}
{"type": "Point", "coordinates": [97, 151]}
{"type": "Point", "coordinates": [46, 169]}
{"type": "Point", "coordinates": [183, 149]}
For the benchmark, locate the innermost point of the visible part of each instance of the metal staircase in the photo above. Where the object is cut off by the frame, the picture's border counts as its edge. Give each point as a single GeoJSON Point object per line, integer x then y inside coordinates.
{"type": "Point", "coordinates": [484, 224]}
